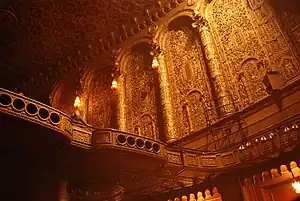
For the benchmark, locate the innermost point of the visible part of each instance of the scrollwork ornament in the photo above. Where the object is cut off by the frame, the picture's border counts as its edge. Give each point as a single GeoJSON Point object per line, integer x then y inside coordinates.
{"type": "Point", "coordinates": [152, 30]}
{"type": "Point", "coordinates": [199, 21]}
{"type": "Point", "coordinates": [155, 49]}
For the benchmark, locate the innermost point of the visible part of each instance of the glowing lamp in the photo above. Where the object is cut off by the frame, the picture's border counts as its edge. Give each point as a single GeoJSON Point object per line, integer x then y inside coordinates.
{"type": "Point", "coordinates": [296, 186]}
{"type": "Point", "coordinates": [77, 102]}
{"type": "Point", "coordinates": [114, 85]}
{"type": "Point", "coordinates": [155, 64]}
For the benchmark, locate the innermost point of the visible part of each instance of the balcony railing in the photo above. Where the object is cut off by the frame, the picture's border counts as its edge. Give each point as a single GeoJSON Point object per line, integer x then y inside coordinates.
{"type": "Point", "coordinates": [34, 111]}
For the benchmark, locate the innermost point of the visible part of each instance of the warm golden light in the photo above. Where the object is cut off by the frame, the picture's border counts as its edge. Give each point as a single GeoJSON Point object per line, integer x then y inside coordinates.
{"type": "Point", "coordinates": [77, 102]}
{"type": "Point", "coordinates": [114, 84]}
{"type": "Point", "coordinates": [296, 186]}
{"type": "Point", "coordinates": [155, 64]}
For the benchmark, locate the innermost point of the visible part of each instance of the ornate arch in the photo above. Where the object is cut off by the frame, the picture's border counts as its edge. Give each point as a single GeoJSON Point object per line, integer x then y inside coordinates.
{"type": "Point", "coordinates": [186, 71]}
{"type": "Point", "coordinates": [125, 51]}
{"type": "Point", "coordinates": [162, 30]}
{"type": "Point", "coordinates": [55, 94]}
{"type": "Point", "coordinates": [250, 77]}
{"type": "Point", "coordinates": [289, 68]}
{"type": "Point", "coordinates": [139, 88]}
{"type": "Point", "coordinates": [102, 62]}
{"type": "Point", "coordinates": [147, 126]}
{"type": "Point", "coordinates": [87, 78]}
{"type": "Point", "coordinates": [63, 95]}
{"type": "Point", "coordinates": [98, 97]}
{"type": "Point", "coordinates": [194, 102]}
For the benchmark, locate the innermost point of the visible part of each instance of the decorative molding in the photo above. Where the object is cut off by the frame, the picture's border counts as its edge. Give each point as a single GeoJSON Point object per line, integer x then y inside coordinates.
{"type": "Point", "coordinates": [174, 158]}
{"type": "Point", "coordinates": [209, 161]}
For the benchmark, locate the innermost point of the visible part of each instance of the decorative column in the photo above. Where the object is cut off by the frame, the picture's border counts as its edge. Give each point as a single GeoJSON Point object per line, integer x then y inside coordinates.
{"type": "Point", "coordinates": [118, 85]}
{"type": "Point", "coordinates": [121, 103]}
{"type": "Point", "coordinates": [159, 65]}
{"type": "Point", "coordinates": [223, 99]}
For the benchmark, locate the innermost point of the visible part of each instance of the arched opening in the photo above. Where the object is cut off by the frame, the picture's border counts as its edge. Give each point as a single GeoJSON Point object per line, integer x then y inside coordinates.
{"type": "Point", "coordinates": [63, 95]}
{"type": "Point", "coordinates": [141, 92]}
{"type": "Point", "coordinates": [251, 88]}
{"type": "Point", "coordinates": [100, 101]}
{"type": "Point", "coordinates": [186, 71]}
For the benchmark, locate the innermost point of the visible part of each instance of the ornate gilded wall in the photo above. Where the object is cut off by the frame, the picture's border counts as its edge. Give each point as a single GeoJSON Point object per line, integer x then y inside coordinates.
{"type": "Point", "coordinates": [289, 15]}
{"type": "Point", "coordinates": [100, 101]}
{"type": "Point", "coordinates": [140, 92]}
{"type": "Point", "coordinates": [187, 75]}
{"type": "Point", "coordinates": [97, 106]}
{"type": "Point", "coordinates": [251, 42]}
{"type": "Point", "coordinates": [227, 54]}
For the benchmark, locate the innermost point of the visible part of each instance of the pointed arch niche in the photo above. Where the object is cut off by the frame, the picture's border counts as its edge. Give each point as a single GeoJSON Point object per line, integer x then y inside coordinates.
{"type": "Point", "coordinates": [100, 100]}
{"type": "Point", "coordinates": [250, 82]}
{"type": "Point", "coordinates": [141, 92]}
{"type": "Point", "coordinates": [97, 100]}
{"type": "Point", "coordinates": [64, 93]}
{"type": "Point", "coordinates": [187, 74]}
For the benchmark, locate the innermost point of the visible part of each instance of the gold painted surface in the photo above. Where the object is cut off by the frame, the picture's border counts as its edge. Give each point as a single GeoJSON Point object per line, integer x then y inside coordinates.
{"type": "Point", "coordinates": [204, 73]}
{"type": "Point", "coordinates": [272, 37]}
{"type": "Point", "coordinates": [251, 43]}
{"type": "Point", "coordinates": [189, 88]}
{"type": "Point", "coordinates": [99, 101]}
{"type": "Point", "coordinates": [166, 101]}
{"type": "Point", "coordinates": [140, 99]}
{"type": "Point", "coordinates": [222, 99]}
{"type": "Point", "coordinates": [82, 137]}
{"type": "Point", "coordinates": [237, 41]}
{"type": "Point", "coordinates": [209, 161]}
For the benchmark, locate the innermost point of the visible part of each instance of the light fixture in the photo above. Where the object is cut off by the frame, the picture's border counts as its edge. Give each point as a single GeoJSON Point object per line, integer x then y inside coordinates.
{"type": "Point", "coordinates": [286, 129]}
{"type": "Point", "coordinates": [76, 106]}
{"type": "Point", "coordinates": [296, 186]}
{"type": "Point", "coordinates": [114, 84]}
{"type": "Point", "coordinates": [295, 126]}
{"type": "Point", "coordinates": [155, 64]}
{"type": "Point", "coordinates": [263, 138]}
{"type": "Point", "coordinates": [77, 102]}
{"type": "Point", "coordinates": [241, 147]}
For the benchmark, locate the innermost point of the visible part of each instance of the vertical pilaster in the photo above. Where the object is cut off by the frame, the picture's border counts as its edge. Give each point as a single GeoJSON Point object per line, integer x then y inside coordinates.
{"type": "Point", "coordinates": [223, 99]}
{"type": "Point", "coordinates": [166, 100]}
{"type": "Point", "coordinates": [121, 106]}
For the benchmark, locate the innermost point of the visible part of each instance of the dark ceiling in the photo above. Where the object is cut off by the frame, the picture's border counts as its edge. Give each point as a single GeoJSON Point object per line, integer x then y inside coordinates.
{"type": "Point", "coordinates": [41, 40]}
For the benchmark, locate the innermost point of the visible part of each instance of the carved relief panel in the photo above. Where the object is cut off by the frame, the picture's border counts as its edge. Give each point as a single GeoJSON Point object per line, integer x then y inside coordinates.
{"type": "Point", "coordinates": [140, 90]}
{"type": "Point", "coordinates": [195, 104]}
{"type": "Point", "coordinates": [244, 57]}
{"type": "Point", "coordinates": [187, 76]}
{"type": "Point", "coordinates": [100, 101]}
{"type": "Point", "coordinates": [292, 22]}
{"type": "Point", "coordinates": [250, 79]}
{"type": "Point", "coordinates": [275, 41]}
{"type": "Point", "coordinates": [289, 15]}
